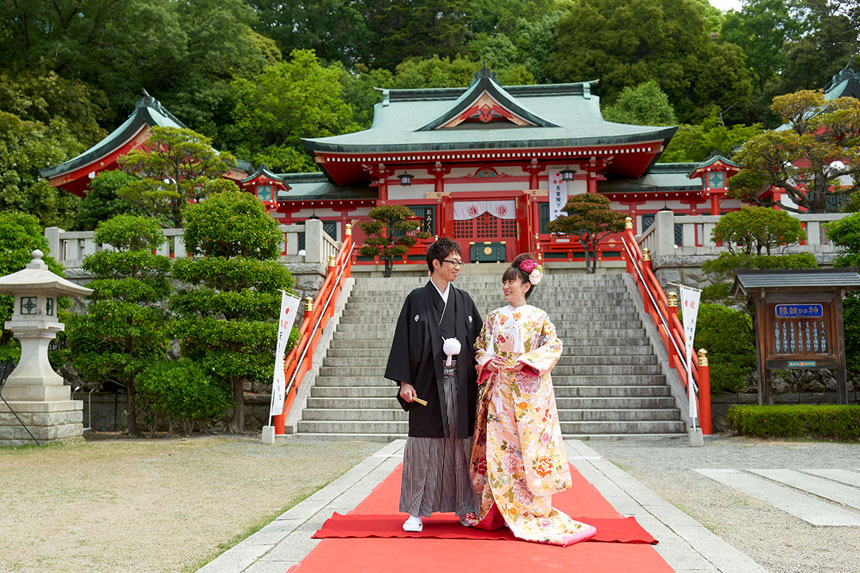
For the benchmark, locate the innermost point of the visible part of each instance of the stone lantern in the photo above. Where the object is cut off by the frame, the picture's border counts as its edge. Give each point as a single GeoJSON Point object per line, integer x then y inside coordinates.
{"type": "Point", "coordinates": [33, 390]}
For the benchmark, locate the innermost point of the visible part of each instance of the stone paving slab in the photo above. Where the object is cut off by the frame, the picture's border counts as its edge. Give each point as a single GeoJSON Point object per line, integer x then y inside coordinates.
{"type": "Point", "coordinates": [684, 543]}
{"type": "Point", "coordinates": [800, 505]}
{"type": "Point", "coordinates": [844, 494]}
{"type": "Point", "coordinates": [842, 476]}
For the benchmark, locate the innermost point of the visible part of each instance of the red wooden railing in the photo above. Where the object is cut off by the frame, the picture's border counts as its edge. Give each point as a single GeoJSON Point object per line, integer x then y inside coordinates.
{"type": "Point", "coordinates": [317, 314]}
{"type": "Point", "coordinates": [663, 311]}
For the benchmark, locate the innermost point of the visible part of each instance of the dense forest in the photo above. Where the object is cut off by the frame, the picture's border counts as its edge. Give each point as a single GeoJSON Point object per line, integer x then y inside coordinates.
{"type": "Point", "coordinates": [257, 75]}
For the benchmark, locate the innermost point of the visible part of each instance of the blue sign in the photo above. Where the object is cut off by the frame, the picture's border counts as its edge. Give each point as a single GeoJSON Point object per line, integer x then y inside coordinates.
{"type": "Point", "coordinates": [799, 311]}
{"type": "Point", "coordinates": [801, 363]}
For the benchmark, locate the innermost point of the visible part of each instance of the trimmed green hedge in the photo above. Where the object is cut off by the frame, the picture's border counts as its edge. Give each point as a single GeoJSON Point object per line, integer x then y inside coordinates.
{"type": "Point", "coordinates": [819, 421]}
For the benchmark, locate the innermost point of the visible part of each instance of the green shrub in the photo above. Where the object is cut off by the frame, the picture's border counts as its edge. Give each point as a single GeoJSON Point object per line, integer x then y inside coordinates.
{"type": "Point", "coordinates": [182, 391]}
{"type": "Point", "coordinates": [757, 228]}
{"type": "Point", "coordinates": [838, 422]}
{"type": "Point", "coordinates": [728, 337]}
{"type": "Point", "coordinates": [851, 321]}
{"type": "Point", "coordinates": [721, 270]}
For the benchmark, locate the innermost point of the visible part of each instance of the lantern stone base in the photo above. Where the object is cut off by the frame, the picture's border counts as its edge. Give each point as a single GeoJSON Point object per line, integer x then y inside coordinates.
{"type": "Point", "coordinates": [48, 421]}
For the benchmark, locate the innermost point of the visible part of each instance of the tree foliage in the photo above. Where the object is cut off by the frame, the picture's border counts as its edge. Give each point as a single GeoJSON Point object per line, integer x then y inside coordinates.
{"type": "Point", "coordinates": [815, 157]}
{"type": "Point", "coordinates": [646, 104]}
{"type": "Point", "coordinates": [728, 336]}
{"type": "Point", "coordinates": [756, 228]}
{"type": "Point", "coordinates": [845, 233]}
{"type": "Point", "coordinates": [177, 166]}
{"type": "Point", "coordinates": [389, 233]}
{"type": "Point", "coordinates": [228, 311]}
{"type": "Point", "coordinates": [695, 143]}
{"type": "Point", "coordinates": [125, 327]}
{"type": "Point", "coordinates": [590, 218]}
{"type": "Point", "coordinates": [102, 201]}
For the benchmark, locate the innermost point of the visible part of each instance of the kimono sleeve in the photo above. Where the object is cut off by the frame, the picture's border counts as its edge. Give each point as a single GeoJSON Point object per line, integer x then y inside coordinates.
{"type": "Point", "coordinates": [484, 349]}
{"type": "Point", "coordinates": [399, 366]}
{"type": "Point", "coordinates": [546, 348]}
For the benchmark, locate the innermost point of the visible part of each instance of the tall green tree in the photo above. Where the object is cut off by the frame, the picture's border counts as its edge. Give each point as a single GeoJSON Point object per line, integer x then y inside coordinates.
{"type": "Point", "coordinates": [176, 166]}
{"type": "Point", "coordinates": [815, 159]}
{"type": "Point", "coordinates": [590, 218]}
{"type": "Point", "coordinates": [665, 41]}
{"type": "Point", "coordinates": [288, 101]}
{"type": "Point", "coordinates": [125, 327]}
{"type": "Point", "coordinates": [646, 104]}
{"type": "Point", "coordinates": [697, 142]}
{"type": "Point", "coordinates": [228, 312]}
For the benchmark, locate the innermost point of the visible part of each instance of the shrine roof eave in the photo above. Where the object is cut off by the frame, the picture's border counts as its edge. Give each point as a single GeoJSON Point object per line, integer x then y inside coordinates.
{"type": "Point", "coordinates": [452, 140]}
{"type": "Point", "coordinates": [144, 115]}
{"type": "Point", "coordinates": [317, 187]}
{"type": "Point", "coordinates": [748, 281]}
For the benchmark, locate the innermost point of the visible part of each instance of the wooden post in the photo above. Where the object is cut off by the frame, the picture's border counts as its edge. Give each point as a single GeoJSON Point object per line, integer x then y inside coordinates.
{"type": "Point", "coordinates": [704, 392]}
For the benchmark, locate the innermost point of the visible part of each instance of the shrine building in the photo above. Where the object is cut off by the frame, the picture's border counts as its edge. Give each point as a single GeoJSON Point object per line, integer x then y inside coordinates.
{"type": "Point", "coordinates": [486, 165]}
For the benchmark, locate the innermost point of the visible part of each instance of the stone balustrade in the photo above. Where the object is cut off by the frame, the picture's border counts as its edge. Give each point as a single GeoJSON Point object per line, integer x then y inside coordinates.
{"type": "Point", "coordinates": [679, 245]}
{"type": "Point", "coordinates": [308, 264]}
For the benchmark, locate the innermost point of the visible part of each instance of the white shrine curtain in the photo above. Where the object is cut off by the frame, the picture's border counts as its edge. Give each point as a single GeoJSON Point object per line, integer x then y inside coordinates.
{"type": "Point", "coordinates": [465, 210]}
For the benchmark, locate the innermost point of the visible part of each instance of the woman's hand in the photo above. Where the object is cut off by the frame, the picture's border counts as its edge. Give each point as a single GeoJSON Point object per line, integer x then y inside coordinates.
{"type": "Point", "coordinates": [407, 391]}
{"type": "Point", "coordinates": [495, 364]}
{"type": "Point", "coordinates": [516, 367]}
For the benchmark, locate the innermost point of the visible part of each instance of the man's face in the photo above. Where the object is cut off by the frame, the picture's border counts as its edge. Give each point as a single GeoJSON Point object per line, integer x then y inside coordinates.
{"type": "Point", "coordinates": [448, 268]}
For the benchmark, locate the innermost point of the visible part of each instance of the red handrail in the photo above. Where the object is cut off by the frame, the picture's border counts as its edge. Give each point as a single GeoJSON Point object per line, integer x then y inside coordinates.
{"type": "Point", "coordinates": [670, 329]}
{"type": "Point", "coordinates": [317, 315]}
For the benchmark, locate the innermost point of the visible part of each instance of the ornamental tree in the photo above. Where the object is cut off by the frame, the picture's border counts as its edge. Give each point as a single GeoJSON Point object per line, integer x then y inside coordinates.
{"type": "Point", "coordinates": [228, 312]}
{"type": "Point", "coordinates": [846, 234]}
{"type": "Point", "coordinates": [757, 228]}
{"type": "Point", "coordinates": [815, 159]}
{"type": "Point", "coordinates": [125, 327]}
{"type": "Point", "coordinates": [388, 233]}
{"type": "Point", "coordinates": [590, 218]}
{"type": "Point", "coordinates": [177, 166]}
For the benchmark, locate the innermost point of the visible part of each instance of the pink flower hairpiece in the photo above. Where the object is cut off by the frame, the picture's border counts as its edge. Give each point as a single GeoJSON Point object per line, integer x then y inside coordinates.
{"type": "Point", "coordinates": [532, 269]}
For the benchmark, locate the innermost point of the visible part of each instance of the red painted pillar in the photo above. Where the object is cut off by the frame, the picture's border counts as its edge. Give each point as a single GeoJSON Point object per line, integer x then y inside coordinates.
{"type": "Point", "coordinates": [704, 392]}
{"type": "Point", "coordinates": [715, 204]}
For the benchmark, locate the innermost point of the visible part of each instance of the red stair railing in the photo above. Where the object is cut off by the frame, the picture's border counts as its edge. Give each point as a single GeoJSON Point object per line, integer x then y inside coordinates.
{"type": "Point", "coordinates": [317, 314]}
{"type": "Point", "coordinates": [663, 311]}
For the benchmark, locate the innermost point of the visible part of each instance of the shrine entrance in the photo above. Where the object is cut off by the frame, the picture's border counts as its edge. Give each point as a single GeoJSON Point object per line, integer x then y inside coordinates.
{"type": "Point", "coordinates": [486, 230]}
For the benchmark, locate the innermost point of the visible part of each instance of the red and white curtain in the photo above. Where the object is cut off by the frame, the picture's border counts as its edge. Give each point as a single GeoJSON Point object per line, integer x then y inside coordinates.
{"type": "Point", "coordinates": [465, 210]}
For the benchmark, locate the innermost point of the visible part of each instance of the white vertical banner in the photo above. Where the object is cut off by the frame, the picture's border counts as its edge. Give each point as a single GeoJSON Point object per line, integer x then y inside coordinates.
{"type": "Point", "coordinates": [557, 192]}
{"type": "Point", "coordinates": [690, 311]}
{"type": "Point", "coordinates": [289, 309]}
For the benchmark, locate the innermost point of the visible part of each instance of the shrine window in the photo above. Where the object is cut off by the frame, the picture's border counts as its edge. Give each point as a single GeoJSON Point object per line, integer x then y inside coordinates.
{"type": "Point", "coordinates": [49, 306]}
{"type": "Point", "coordinates": [330, 228]}
{"type": "Point", "coordinates": [427, 214]}
{"type": "Point", "coordinates": [543, 217]}
{"type": "Point", "coordinates": [264, 192]}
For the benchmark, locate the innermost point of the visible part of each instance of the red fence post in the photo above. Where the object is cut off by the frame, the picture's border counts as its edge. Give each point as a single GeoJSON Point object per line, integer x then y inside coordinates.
{"type": "Point", "coordinates": [704, 392]}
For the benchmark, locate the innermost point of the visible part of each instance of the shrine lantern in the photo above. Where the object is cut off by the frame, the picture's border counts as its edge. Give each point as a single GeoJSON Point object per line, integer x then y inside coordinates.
{"type": "Point", "coordinates": [715, 173]}
{"type": "Point", "coordinates": [265, 185]}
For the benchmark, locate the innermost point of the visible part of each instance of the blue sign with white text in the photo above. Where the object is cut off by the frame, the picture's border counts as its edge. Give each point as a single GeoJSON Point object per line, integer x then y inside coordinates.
{"type": "Point", "coordinates": [799, 311]}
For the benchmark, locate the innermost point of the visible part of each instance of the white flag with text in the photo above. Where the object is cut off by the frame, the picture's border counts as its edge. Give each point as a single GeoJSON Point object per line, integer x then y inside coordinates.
{"type": "Point", "coordinates": [289, 309]}
{"type": "Point", "coordinates": [690, 311]}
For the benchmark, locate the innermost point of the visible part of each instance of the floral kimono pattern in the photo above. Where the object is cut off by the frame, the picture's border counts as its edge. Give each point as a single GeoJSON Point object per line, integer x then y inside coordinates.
{"type": "Point", "coordinates": [518, 459]}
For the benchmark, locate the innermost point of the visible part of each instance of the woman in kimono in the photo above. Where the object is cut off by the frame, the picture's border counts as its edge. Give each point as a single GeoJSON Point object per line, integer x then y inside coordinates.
{"type": "Point", "coordinates": [518, 460]}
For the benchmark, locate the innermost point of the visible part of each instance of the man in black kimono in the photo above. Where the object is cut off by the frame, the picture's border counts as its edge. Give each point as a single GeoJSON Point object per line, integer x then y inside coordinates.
{"type": "Point", "coordinates": [436, 457]}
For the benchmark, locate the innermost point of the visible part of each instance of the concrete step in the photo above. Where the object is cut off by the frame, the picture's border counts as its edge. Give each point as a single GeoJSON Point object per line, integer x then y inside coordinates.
{"type": "Point", "coordinates": [353, 415]}
{"type": "Point", "coordinates": [352, 313]}
{"type": "Point", "coordinates": [389, 390]}
{"type": "Point", "coordinates": [564, 332]}
{"type": "Point", "coordinates": [559, 372]}
{"type": "Point", "coordinates": [600, 354]}
{"type": "Point", "coordinates": [618, 415]}
{"type": "Point", "coordinates": [351, 427]}
{"type": "Point", "coordinates": [389, 402]}
{"type": "Point", "coordinates": [375, 322]}
{"type": "Point", "coordinates": [497, 298]}
{"type": "Point", "coordinates": [381, 359]}
{"type": "Point", "coordinates": [338, 377]}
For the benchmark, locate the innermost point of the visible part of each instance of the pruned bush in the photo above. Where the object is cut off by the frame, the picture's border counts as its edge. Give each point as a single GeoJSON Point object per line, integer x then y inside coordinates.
{"type": "Point", "coordinates": [728, 337]}
{"type": "Point", "coordinates": [181, 391]}
{"type": "Point", "coordinates": [757, 228]}
{"type": "Point", "coordinates": [817, 421]}
{"type": "Point", "coordinates": [721, 270]}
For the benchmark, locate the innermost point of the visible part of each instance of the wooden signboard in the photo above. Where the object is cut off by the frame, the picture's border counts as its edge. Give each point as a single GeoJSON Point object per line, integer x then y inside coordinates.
{"type": "Point", "coordinates": [798, 321]}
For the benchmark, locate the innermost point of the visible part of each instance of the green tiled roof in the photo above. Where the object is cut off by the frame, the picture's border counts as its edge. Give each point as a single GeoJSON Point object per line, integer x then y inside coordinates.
{"type": "Point", "coordinates": [312, 186]}
{"type": "Point", "coordinates": [571, 115]}
{"type": "Point", "coordinates": [261, 170]}
{"type": "Point", "coordinates": [147, 111]}
{"type": "Point", "coordinates": [844, 83]}
{"type": "Point", "coordinates": [661, 177]}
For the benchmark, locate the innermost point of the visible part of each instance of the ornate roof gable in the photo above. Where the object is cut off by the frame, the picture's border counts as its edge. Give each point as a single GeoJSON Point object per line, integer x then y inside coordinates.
{"type": "Point", "coordinates": [485, 102]}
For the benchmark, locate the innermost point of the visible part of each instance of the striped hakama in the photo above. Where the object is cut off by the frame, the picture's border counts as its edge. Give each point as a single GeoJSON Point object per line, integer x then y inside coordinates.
{"type": "Point", "coordinates": [436, 470]}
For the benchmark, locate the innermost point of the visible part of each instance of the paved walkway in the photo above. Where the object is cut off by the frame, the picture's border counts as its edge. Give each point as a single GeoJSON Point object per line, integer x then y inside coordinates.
{"type": "Point", "coordinates": [685, 544]}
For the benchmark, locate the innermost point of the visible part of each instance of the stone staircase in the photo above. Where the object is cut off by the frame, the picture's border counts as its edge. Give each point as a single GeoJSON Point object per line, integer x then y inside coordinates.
{"type": "Point", "coordinates": [607, 382]}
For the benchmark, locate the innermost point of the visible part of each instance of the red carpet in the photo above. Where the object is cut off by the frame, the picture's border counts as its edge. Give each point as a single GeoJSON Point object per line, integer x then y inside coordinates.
{"type": "Point", "coordinates": [620, 530]}
{"type": "Point", "coordinates": [419, 553]}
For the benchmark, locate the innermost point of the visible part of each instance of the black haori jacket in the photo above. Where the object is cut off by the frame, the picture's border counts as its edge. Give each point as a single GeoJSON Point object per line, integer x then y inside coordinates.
{"type": "Point", "coordinates": [416, 357]}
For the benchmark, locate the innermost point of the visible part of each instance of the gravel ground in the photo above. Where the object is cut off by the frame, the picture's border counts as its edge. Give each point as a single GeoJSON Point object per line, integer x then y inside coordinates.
{"type": "Point", "coordinates": [152, 505]}
{"type": "Point", "coordinates": [776, 540]}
